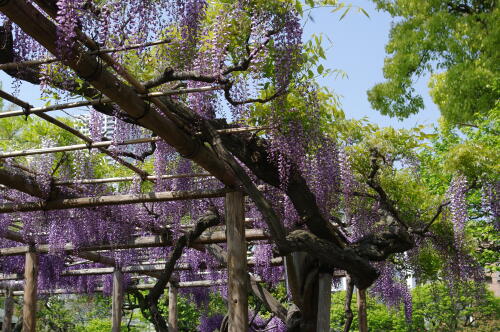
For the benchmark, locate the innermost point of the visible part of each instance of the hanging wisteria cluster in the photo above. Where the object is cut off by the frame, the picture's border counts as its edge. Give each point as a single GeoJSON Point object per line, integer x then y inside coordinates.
{"type": "Point", "coordinates": [391, 290]}
{"type": "Point", "coordinates": [458, 207]}
{"type": "Point", "coordinates": [491, 203]}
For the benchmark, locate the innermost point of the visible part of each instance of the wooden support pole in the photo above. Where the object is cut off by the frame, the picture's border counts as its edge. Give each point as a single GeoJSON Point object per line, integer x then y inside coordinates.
{"type": "Point", "coordinates": [324, 302]}
{"type": "Point", "coordinates": [8, 311]}
{"type": "Point", "coordinates": [237, 267]}
{"type": "Point", "coordinates": [293, 275]}
{"type": "Point", "coordinates": [172, 308]}
{"type": "Point", "coordinates": [117, 298]}
{"type": "Point", "coordinates": [30, 292]}
{"type": "Point", "coordinates": [362, 316]}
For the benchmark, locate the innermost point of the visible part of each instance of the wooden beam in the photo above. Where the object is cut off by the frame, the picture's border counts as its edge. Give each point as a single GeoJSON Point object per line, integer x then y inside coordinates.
{"type": "Point", "coordinates": [324, 302]}
{"type": "Point", "coordinates": [8, 311]}
{"type": "Point", "coordinates": [82, 202]}
{"type": "Point", "coordinates": [117, 301]}
{"type": "Point", "coordinates": [172, 308]}
{"type": "Point", "coordinates": [30, 292]}
{"type": "Point", "coordinates": [362, 314]}
{"type": "Point", "coordinates": [267, 299]}
{"type": "Point", "coordinates": [152, 241]}
{"type": "Point", "coordinates": [237, 267]}
{"type": "Point", "coordinates": [14, 180]}
{"type": "Point", "coordinates": [14, 100]}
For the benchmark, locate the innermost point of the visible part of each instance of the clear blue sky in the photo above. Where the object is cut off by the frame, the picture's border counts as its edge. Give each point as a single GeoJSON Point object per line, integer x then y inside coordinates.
{"type": "Point", "coordinates": [358, 50]}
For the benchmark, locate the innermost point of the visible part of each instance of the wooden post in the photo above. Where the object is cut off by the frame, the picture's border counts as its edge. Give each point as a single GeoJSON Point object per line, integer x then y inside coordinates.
{"type": "Point", "coordinates": [30, 290]}
{"type": "Point", "coordinates": [363, 321]}
{"type": "Point", "coordinates": [324, 302]}
{"type": "Point", "coordinates": [117, 298]}
{"type": "Point", "coordinates": [8, 311]}
{"type": "Point", "coordinates": [293, 275]}
{"type": "Point", "coordinates": [172, 308]}
{"type": "Point", "coordinates": [237, 267]}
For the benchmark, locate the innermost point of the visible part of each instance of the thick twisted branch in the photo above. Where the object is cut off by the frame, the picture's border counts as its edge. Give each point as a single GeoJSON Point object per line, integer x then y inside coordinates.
{"type": "Point", "coordinates": [211, 218]}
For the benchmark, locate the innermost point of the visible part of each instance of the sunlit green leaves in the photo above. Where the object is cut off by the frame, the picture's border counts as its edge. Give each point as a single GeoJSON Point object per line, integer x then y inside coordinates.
{"type": "Point", "coordinates": [456, 43]}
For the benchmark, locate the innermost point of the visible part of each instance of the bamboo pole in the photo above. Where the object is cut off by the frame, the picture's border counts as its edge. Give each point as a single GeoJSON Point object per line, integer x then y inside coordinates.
{"type": "Point", "coordinates": [184, 284]}
{"type": "Point", "coordinates": [105, 144]}
{"type": "Point", "coordinates": [131, 178]}
{"type": "Point", "coordinates": [75, 147]}
{"type": "Point", "coordinates": [73, 131]}
{"type": "Point", "coordinates": [8, 311]}
{"type": "Point", "coordinates": [88, 140]}
{"type": "Point", "coordinates": [237, 267]}
{"type": "Point", "coordinates": [324, 302]}
{"type": "Point", "coordinates": [14, 100]}
{"type": "Point", "coordinates": [117, 301]}
{"type": "Point", "coordinates": [30, 292]}
{"type": "Point", "coordinates": [103, 100]}
{"type": "Point", "coordinates": [82, 202]}
{"type": "Point", "coordinates": [139, 269]}
{"type": "Point", "coordinates": [34, 63]}
{"type": "Point", "coordinates": [153, 241]}
{"type": "Point", "coordinates": [172, 308]}
{"type": "Point", "coordinates": [362, 315]}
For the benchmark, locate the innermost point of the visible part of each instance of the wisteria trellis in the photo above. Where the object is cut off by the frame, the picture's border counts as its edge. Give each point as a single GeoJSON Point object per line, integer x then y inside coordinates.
{"type": "Point", "coordinates": [255, 52]}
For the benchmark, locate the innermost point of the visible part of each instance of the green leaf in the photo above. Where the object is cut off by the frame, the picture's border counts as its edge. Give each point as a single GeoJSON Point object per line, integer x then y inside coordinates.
{"type": "Point", "coordinates": [345, 12]}
{"type": "Point", "coordinates": [363, 11]}
{"type": "Point", "coordinates": [320, 69]}
{"type": "Point", "coordinates": [339, 7]}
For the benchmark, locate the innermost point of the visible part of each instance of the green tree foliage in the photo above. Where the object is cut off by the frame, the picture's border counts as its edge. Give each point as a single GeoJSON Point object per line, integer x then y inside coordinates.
{"type": "Point", "coordinates": [433, 310]}
{"type": "Point", "coordinates": [475, 153]}
{"type": "Point", "coordinates": [456, 42]}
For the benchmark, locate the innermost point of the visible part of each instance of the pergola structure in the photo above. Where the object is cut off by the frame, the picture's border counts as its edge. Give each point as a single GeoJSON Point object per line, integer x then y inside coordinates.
{"type": "Point", "coordinates": [235, 235]}
{"type": "Point", "coordinates": [101, 71]}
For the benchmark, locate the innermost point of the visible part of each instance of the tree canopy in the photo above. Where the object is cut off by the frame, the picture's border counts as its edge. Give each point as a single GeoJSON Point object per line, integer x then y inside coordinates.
{"type": "Point", "coordinates": [456, 43]}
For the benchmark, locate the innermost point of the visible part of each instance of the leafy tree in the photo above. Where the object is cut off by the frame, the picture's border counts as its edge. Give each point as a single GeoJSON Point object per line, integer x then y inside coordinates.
{"type": "Point", "coordinates": [434, 309]}
{"type": "Point", "coordinates": [456, 42]}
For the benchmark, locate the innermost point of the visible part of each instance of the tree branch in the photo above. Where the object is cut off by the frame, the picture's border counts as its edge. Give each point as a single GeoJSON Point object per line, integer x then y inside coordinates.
{"type": "Point", "coordinates": [211, 218]}
{"type": "Point", "coordinates": [384, 199]}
